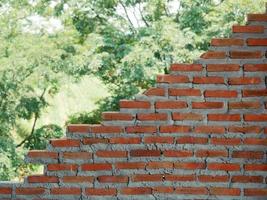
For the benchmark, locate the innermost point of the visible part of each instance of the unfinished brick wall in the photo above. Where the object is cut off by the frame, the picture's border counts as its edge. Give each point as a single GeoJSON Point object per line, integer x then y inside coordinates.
{"type": "Point", "coordinates": [201, 133]}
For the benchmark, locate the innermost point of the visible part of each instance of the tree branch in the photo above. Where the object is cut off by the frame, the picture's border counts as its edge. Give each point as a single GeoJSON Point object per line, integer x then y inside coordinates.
{"type": "Point", "coordinates": [36, 115]}
{"type": "Point", "coordinates": [127, 16]}
{"type": "Point", "coordinates": [142, 16]}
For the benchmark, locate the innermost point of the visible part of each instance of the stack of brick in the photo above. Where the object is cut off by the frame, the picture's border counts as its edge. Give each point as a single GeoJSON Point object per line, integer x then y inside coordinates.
{"type": "Point", "coordinates": [200, 133]}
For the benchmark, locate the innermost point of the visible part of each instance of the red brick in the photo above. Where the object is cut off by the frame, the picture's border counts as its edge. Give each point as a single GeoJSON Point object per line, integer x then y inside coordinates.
{"type": "Point", "coordinates": [155, 92]}
{"type": "Point", "coordinates": [62, 167]}
{"type": "Point", "coordinates": [254, 93]}
{"type": "Point", "coordinates": [135, 104]}
{"type": "Point", "coordinates": [255, 67]}
{"type": "Point", "coordinates": [227, 42]}
{"type": "Point", "coordinates": [248, 154]}
{"type": "Point", "coordinates": [145, 153]}
{"type": "Point", "coordinates": [106, 129]}
{"type": "Point", "coordinates": [159, 165]}
{"type": "Point", "coordinates": [210, 129]}
{"type": "Point", "coordinates": [191, 140]}
{"type": "Point", "coordinates": [189, 165]}
{"type": "Point", "coordinates": [66, 191]}
{"type": "Point", "coordinates": [220, 191]}
{"type": "Point", "coordinates": [221, 93]}
{"type": "Point", "coordinates": [186, 67]}
{"type": "Point", "coordinates": [157, 139]}
{"type": "Point", "coordinates": [42, 154]}
{"type": "Point", "coordinates": [175, 178]}
{"type": "Point", "coordinates": [122, 140]}
{"type": "Point", "coordinates": [257, 17]}
{"type": "Point", "coordinates": [224, 166]}
{"type": "Point", "coordinates": [255, 141]}
{"type": "Point", "coordinates": [111, 154]}
{"type": "Point", "coordinates": [247, 179]}
{"type": "Point", "coordinates": [224, 117]}
{"type": "Point", "coordinates": [170, 104]}
{"type": "Point", "coordinates": [163, 189]}
{"type": "Point", "coordinates": [96, 167]}
{"type": "Point", "coordinates": [191, 190]}
{"type": "Point", "coordinates": [255, 191]}
{"type": "Point", "coordinates": [130, 165]}
{"type": "Point", "coordinates": [211, 153]}
{"type": "Point", "coordinates": [78, 179]}
{"type": "Point", "coordinates": [89, 141]}
{"type": "Point", "coordinates": [244, 105]}
{"type": "Point", "coordinates": [187, 116]}
{"type": "Point", "coordinates": [114, 116]}
{"type": "Point", "coordinates": [223, 67]}
{"type": "Point", "coordinates": [5, 190]}
{"type": "Point", "coordinates": [255, 117]}
{"type": "Point", "coordinates": [245, 54]}
{"type": "Point", "coordinates": [213, 55]}
{"type": "Point", "coordinates": [177, 153]}
{"type": "Point", "coordinates": [77, 155]}
{"type": "Point", "coordinates": [30, 191]}
{"type": "Point", "coordinates": [246, 129]}
{"type": "Point", "coordinates": [174, 129]}
{"type": "Point", "coordinates": [141, 129]}
{"type": "Point", "coordinates": [216, 178]}
{"type": "Point", "coordinates": [207, 105]}
{"type": "Point", "coordinates": [100, 191]}
{"type": "Point", "coordinates": [167, 78]}
{"type": "Point", "coordinates": [112, 179]}
{"type": "Point", "coordinates": [257, 42]}
{"type": "Point", "coordinates": [65, 143]}
{"type": "Point", "coordinates": [244, 80]}
{"type": "Point", "coordinates": [42, 179]}
{"type": "Point", "coordinates": [225, 141]}
{"type": "Point", "coordinates": [184, 92]}
{"type": "Point", "coordinates": [146, 177]}
{"type": "Point", "coordinates": [248, 29]}
{"type": "Point", "coordinates": [208, 80]}
{"type": "Point", "coordinates": [79, 128]}
{"type": "Point", "coordinates": [152, 116]}
{"type": "Point", "coordinates": [255, 167]}
{"type": "Point", "coordinates": [136, 191]}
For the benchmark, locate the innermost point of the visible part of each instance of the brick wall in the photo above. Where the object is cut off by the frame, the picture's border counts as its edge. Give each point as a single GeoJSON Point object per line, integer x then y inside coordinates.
{"type": "Point", "coordinates": [200, 133]}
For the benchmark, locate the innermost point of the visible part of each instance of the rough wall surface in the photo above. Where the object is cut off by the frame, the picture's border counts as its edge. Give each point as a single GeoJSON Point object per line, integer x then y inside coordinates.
{"type": "Point", "coordinates": [200, 133]}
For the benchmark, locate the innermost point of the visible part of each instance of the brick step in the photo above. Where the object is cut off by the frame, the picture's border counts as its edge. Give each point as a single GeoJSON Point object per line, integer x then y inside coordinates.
{"type": "Point", "coordinates": [118, 179]}
{"type": "Point", "coordinates": [199, 91]}
{"type": "Point", "coordinates": [195, 69]}
{"type": "Point", "coordinates": [75, 129]}
{"type": "Point", "coordinates": [66, 159]}
{"type": "Point", "coordinates": [141, 191]}
{"type": "Point", "coordinates": [228, 42]}
{"type": "Point", "coordinates": [201, 111]}
{"type": "Point", "coordinates": [248, 29]}
{"type": "Point", "coordinates": [195, 79]}
{"type": "Point", "coordinates": [257, 17]}
{"type": "Point", "coordinates": [171, 163]}
{"type": "Point", "coordinates": [233, 55]}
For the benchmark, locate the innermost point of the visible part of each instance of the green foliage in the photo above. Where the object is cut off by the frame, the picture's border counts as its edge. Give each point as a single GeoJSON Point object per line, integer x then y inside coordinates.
{"type": "Point", "coordinates": [84, 118]}
{"type": "Point", "coordinates": [39, 139]}
{"type": "Point", "coordinates": [9, 159]}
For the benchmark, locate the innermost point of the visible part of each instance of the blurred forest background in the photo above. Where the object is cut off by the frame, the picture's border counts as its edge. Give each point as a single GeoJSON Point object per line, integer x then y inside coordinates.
{"type": "Point", "coordinates": [66, 61]}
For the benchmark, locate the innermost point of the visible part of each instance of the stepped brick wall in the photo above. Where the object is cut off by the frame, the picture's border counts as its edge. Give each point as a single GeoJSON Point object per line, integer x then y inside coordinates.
{"type": "Point", "coordinates": [200, 133]}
